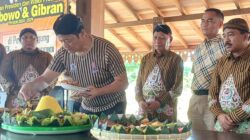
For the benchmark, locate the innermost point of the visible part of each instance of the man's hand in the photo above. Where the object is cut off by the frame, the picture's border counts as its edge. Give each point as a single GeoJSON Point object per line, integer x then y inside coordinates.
{"type": "Point", "coordinates": [27, 92]}
{"type": "Point", "coordinates": [91, 92]}
{"type": "Point", "coordinates": [76, 95]}
{"type": "Point", "coordinates": [153, 106]}
{"type": "Point", "coordinates": [226, 122]}
{"type": "Point", "coordinates": [143, 105]}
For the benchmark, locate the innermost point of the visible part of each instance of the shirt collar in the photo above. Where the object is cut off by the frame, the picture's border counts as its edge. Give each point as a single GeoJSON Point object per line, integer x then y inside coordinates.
{"type": "Point", "coordinates": [162, 55]}
{"type": "Point", "coordinates": [36, 51]}
{"type": "Point", "coordinates": [215, 39]}
{"type": "Point", "coordinates": [243, 56]}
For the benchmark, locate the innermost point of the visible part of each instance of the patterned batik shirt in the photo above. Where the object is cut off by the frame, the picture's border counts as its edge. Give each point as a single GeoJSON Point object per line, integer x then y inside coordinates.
{"type": "Point", "coordinates": [231, 75]}
{"type": "Point", "coordinates": [171, 69]}
{"type": "Point", "coordinates": [20, 67]}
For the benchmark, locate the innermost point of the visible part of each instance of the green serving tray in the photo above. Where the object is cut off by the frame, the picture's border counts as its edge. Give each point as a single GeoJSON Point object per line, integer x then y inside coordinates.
{"type": "Point", "coordinates": [46, 130]}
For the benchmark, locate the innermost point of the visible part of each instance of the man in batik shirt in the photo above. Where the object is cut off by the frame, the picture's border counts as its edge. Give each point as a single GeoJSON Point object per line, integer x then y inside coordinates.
{"type": "Point", "coordinates": [93, 62]}
{"type": "Point", "coordinates": [160, 77]}
{"type": "Point", "coordinates": [230, 86]}
{"type": "Point", "coordinates": [24, 65]}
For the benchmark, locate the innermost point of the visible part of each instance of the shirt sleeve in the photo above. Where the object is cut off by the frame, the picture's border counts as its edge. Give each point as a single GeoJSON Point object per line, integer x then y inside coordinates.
{"type": "Point", "coordinates": [52, 85]}
{"type": "Point", "coordinates": [178, 85]}
{"type": "Point", "coordinates": [7, 70]}
{"type": "Point", "coordinates": [214, 89]}
{"type": "Point", "coordinates": [241, 113]}
{"type": "Point", "coordinates": [49, 58]}
{"type": "Point", "coordinates": [138, 87]}
{"type": "Point", "coordinates": [114, 61]}
{"type": "Point", "coordinates": [57, 64]}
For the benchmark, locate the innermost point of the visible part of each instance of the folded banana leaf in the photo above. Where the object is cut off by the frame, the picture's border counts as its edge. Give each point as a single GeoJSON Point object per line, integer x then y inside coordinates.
{"type": "Point", "coordinates": [113, 129]}
{"type": "Point", "coordinates": [64, 113]}
{"type": "Point", "coordinates": [132, 119]}
{"type": "Point", "coordinates": [150, 130]}
{"type": "Point", "coordinates": [186, 128]}
{"type": "Point", "coordinates": [54, 121]}
{"type": "Point", "coordinates": [171, 125]}
{"type": "Point", "coordinates": [68, 121]}
{"type": "Point", "coordinates": [135, 131]}
{"type": "Point", "coordinates": [176, 130]}
{"type": "Point", "coordinates": [120, 129]}
{"type": "Point", "coordinates": [114, 117]}
{"type": "Point", "coordinates": [123, 120]}
{"type": "Point", "coordinates": [93, 118]}
{"type": "Point", "coordinates": [189, 125]}
{"type": "Point", "coordinates": [96, 124]}
{"type": "Point", "coordinates": [33, 121]}
{"type": "Point", "coordinates": [80, 119]}
{"type": "Point", "coordinates": [104, 126]}
{"type": "Point", "coordinates": [21, 120]}
{"type": "Point", "coordinates": [14, 122]}
{"type": "Point", "coordinates": [46, 113]}
{"type": "Point", "coordinates": [6, 118]}
{"type": "Point", "coordinates": [46, 122]}
{"type": "Point", "coordinates": [165, 130]}
{"type": "Point", "coordinates": [103, 116]}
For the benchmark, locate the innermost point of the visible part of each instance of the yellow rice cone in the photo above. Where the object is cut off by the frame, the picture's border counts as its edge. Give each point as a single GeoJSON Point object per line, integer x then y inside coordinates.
{"type": "Point", "coordinates": [49, 102]}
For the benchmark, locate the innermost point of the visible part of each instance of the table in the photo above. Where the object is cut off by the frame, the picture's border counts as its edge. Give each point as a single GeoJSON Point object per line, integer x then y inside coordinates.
{"type": "Point", "coordinates": [212, 135]}
{"type": "Point", "coordinates": [196, 135]}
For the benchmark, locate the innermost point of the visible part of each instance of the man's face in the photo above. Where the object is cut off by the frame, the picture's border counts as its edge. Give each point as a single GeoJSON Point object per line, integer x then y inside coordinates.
{"type": "Point", "coordinates": [234, 40]}
{"type": "Point", "coordinates": [70, 42]}
{"type": "Point", "coordinates": [28, 41]}
{"type": "Point", "coordinates": [161, 41]}
{"type": "Point", "coordinates": [210, 24]}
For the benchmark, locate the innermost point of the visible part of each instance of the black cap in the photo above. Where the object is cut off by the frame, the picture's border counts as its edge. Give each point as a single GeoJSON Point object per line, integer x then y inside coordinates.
{"type": "Point", "coordinates": [68, 24]}
{"type": "Point", "coordinates": [27, 30]}
{"type": "Point", "coordinates": [162, 28]}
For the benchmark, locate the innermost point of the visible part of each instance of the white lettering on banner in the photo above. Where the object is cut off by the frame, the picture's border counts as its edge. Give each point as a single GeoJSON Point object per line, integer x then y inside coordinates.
{"type": "Point", "coordinates": [28, 10]}
{"type": "Point", "coordinates": [46, 41]}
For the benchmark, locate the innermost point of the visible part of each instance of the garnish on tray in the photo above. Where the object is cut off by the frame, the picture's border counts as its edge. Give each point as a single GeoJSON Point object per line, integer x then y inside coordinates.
{"type": "Point", "coordinates": [48, 113]}
{"type": "Point", "coordinates": [131, 124]}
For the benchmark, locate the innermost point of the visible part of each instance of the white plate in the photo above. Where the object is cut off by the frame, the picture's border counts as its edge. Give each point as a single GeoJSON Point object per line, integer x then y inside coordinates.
{"type": "Point", "coordinates": [73, 88]}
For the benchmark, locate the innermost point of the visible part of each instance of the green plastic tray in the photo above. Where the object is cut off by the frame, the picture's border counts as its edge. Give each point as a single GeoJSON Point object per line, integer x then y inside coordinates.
{"type": "Point", "coordinates": [46, 130]}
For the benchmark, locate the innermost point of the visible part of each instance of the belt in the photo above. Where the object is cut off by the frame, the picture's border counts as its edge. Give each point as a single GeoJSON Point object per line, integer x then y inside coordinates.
{"type": "Point", "coordinates": [201, 92]}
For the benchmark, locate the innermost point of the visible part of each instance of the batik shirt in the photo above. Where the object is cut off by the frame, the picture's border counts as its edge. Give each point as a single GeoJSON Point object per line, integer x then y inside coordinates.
{"type": "Point", "coordinates": [20, 67]}
{"type": "Point", "coordinates": [98, 67]}
{"type": "Point", "coordinates": [171, 72]}
{"type": "Point", "coordinates": [230, 87]}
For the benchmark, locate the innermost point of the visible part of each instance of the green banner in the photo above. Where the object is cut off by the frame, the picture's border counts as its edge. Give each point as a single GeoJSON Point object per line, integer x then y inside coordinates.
{"type": "Point", "coordinates": [23, 11]}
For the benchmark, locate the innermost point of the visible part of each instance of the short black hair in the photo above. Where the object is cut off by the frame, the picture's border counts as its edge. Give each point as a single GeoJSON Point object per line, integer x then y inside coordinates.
{"type": "Point", "coordinates": [162, 28]}
{"type": "Point", "coordinates": [218, 12]}
{"type": "Point", "coordinates": [67, 24]}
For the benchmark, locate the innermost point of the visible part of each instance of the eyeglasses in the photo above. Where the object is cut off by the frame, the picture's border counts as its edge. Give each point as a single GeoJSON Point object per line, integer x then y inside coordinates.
{"type": "Point", "coordinates": [68, 41]}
